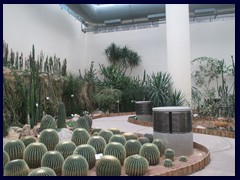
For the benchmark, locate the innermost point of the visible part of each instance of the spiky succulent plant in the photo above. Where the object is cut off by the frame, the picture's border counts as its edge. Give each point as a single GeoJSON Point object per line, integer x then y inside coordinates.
{"type": "Point", "coordinates": [28, 140]}
{"type": "Point", "coordinates": [42, 171]}
{"type": "Point", "coordinates": [16, 167]}
{"type": "Point", "coordinates": [61, 116]}
{"type": "Point", "coordinates": [6, 158]}
{"type": "Point", "coordinates": [50, 138]}
{"type": "Point", "coordinates": [151, 153]}
{"type": "Point", "coordinates": [106, 134]}
{"type": "Point", "coordinates": [169, 154]}
{"type": "Point", "coordinates": [48, 122]}
{"type": "Point", "coordinates": [132, 147]}
{"type": "Point", "coordinates": [98, 143]}
{"type": "Point", "coordinates": [66, 148]}
{"type": "Point", "coordinates": [183, 159]}
{"type": "Point", "coordinates": [159, 144]}
{"type": "Point", "coordinates": [115, 130]}
{"type": "Point", "coordinates": [149, 136]}
{"type": "Point", "coordinates": [96, 129]}
{"type": "Point", "coordinates": [129, 135]}
{"type": "Point", "coordinates": [118, 138]}
{"type": "Point", "coordinates": [167, 163]}
{"type": "Point", "coordinates": [80, 136]}
{"type": "Point", "coordinates": [15, 149]}
{"type": "Point", "coordinates": [82, 123]}
{"type": "Point", "coordinates": [143, 140]}
{"type": "Point", "coordinates": [115, 149]}
{"type": "Point", "coordinates": [89, 120]}
{"type": "Point", "coordinates": [108, 166]}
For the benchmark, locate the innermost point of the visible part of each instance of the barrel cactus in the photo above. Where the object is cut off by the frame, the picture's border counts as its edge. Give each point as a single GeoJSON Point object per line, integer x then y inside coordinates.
{"type": "Point", "coordinates": [115, 130]}
{"type": "Point", "coordinates": [6, 158]}
{"type": "Point", "coordinates": [118, 138]}
{"type": "Point", "coordinates": [183, 159]}
{"type": "Point", "coordinates": [89, 120]}
{"type": "Point", "coordinates": [80, 136]}
{"type": "Point", "coordinates": [116, 149]}
{"type": "Point", "coordinates": [5, 128]}
{"type": "Point", "coordinates": [98, 143]}
{"type": "Point", "coordinates": [61, 116]}
{"type": "Point", "coordinates": [96, 129]}
{"type": "Point", "coordinates": [28, 140]}
{"type": "Point", "coordinates": [50, 138]}
{"type": "Point", "coordinates": [42, 171]}
{"type": "Point", "coordinates": [143, 140]}
{"type": "Point", "coordinates": [106, 134]}
{"type": "Point", "coordinates": [17, 167]}
{"type": "Point", "coordinates": [132, 147]}
{"type": "Point", "coordinates": [167, 163]}
{"type": "Point", "coordinates": [129, 135]}
{"type": "Point", "coordinates": [65, 148]}
{"type": "Point", "coordinates": [108, 166]}
{"type": "Point", "coordinates": [15, 149]}
{"type": "Point", "coordinates": [82, 123]}
{"type": "Point", "coordinates": [48, 122]}
{"type": "Point", "coordinates": [159, 144]}
{"type": "Point", "coordinates": [33, 154]}
{"type": "Point", "coordinates": [53, 160]}
{"type": "Point", "coordinates": [75, 165]}
{"type": "Point", "coordinates": [88, 152]}
{"type": "Point", "coordinates": [136, 165]}
{"type": "Point", "coordinates": [149, 136]}
{"type": "Point", "coordinates": [95, 134]}
{"type": "Point", "coordinates": [151, 153]}
{"type": "Point", "coordinates": [169, 154]}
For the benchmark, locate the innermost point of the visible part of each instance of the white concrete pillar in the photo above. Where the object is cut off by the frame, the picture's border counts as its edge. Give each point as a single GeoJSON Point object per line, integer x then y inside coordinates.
{"type": "Point", "coordinates": [178, 47]}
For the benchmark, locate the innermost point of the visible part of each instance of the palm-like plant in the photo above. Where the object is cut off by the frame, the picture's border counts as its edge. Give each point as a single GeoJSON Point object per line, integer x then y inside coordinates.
{"type": "Point", "coordinates": [177, 98]}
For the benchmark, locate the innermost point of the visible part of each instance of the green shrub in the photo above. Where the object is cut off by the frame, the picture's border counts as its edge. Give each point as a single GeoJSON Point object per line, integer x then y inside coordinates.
{"type": "Point", "coordinates": [167, 163]}
{"type": "Point", "coordinates": [42, 171]}
{"type": "Point", "coordinates": [28, 140]}
{"type": "Point", "coordinates": [65, 148]}
{"type": "Point", "coordinates": [53, 160]}
{"type": "Point", "coordinates": [129, 136]}
{"type": "Point", "coordinates": [169, 154]}
{"type": "Point", "coordinates": [6, 158]}
{"type": "Point", "coordinates": [143, 140]}
{"type": "Point", "coordinates": [116, 149]}
{"type": "Point", "coordinates": [17, 167]}
{"type": "Point", "coordinates": [118, 138]}
{"type": "Point", "coordinates": [88, 152]}
{"type": "Point", "coordinates": [80, 136]}
{"type": "Point", "coordinates": [136, 165]}
{"type": "Point", "coordinates": [33, 154]}
{"type": "Point", "coordinates": [98, 143]}
{"type": "Point", "coordinates": [82, 123]}
{"type": "Point", "coordinates": [61, 120]}
{"type": "Point", "coordinates": [151, 153]}
{"type": "Point", "coordinates": [115, 130]}
{"type": "Point", "coordinates": [132, 147]}
{"type": "Point", "coordinates": [89, 120]}
{"type": "Point", "coordinates": [183, 159]}
{"type": "Point", "coordinates": [149, 136]}
{"type": "Point", "coordinates": [106, 134]}
{"type": "Point", "coordinates": [159, 144]}
{"type": "Point", "coordinates": [48, 122]}
{"type": "Point", "coordinates": [15, 149]}
{"type": "Point", "coordinates": [50, 138]}
{"type": "Point", "coordinates": [108, 166]}
{"type": "Point", "coordinates": [75, 165]}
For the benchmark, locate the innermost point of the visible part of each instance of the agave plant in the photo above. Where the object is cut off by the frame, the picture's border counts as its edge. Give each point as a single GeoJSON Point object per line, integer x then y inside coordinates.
{"type": "Point", "coordinates": [177, 98]}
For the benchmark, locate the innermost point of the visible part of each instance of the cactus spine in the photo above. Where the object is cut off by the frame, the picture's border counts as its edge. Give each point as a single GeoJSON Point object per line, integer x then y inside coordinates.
{"type": "Point", "coordinates": [106, 134]}
{"type": "Point", "coordinates": [42, 171]}
{"type": "Point", "coordinates": [132, 147]}
{"type": "Point", "coordinates": [80, 136]}
{"type": "Point", "coordinates": [98, 143]}
{"type": "Point", "coordinates": [108, 166]}
{"type": "Point", "coordinates": [136, 165]}
{"type": "Point", "coordinates": [61, 122]}
{"type": "Point", "coordinates": [65, 148]}
{"type": "Point", "coordinates": [28, 140]}
{"type": "Point", "coordinates": [116, 149]}
{"type": "Point", "coordinates": [15, 149]}
{"type": "Point", "coordinates": [169, 154]}
{"type": "Point", "coordinates": [167, 163]}
{"type": "Point", "coordinates": [50, 138]}
{"type": "Point", "coordinates": [118, 138]}
{"type": "Point", "coordinates": [151, 153]}
{"type": "Point", "coordinates": [17, 167]}
{"type": "Point", "coordinates": [48, 122]}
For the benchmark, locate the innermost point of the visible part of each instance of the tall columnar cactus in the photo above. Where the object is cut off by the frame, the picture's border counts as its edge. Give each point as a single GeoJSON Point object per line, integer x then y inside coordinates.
{"type": "Point", "coordinates": [48, 122]}
{"type": "Point", "coordinates": [96, 129]}
{"type": "Point", "coordinates": [136, 165]}
{"type": "Point", "coordinates": [183, 159]}
{"type": "Point", "coordinates": [53, 160]}
{"type": "Point", "coordinates": [75, 165]}
{"type": "Point", "coordinates": [6, 158]}
{"type": "Point", "coordinates": [115, 130]}
{"type": "Point", "coordinates": [167, 163]}
{"type": "Point", "coordinates": [80, 136]}
{"type": "Point", "coordinates": [15, 149]}
{"type": "Point", "coordinates": [89, 120]}
{"type": "Point", "coordinates": [82, 123]}
{"type": "Point", "coordinates": [108, 166]}
{"type": "Point", "coordinates": [132, 147]}
{"type": "Point", "coordinates": [151, 153]}
{"type": "Point", "coordinates": [169, 154]}
{"type": "Point", "coordinates": [65, 148]}
{"type": "Point", "coordinates": [28, 140]}
{"type": "Point", "coordinates": [88, 152]}
{"type": "Point", "coordinates": [50, 138]}
{"type": "Point", "coordinates": [17, 167]}
{"type": "Point", "coordinates": [106, 134]}
{"type": "Point", "coordinates": [33, 154]}
{"type": "Point", "coordinates": [159, 144]}
{"type": "Point", "coordinates": [115, 149]}
{"type": "Point", "coordinates": [118, 138]}
{"type": "Point", "coordinates": [129, 135]}
{"type": "Point", "coordinates": [42, 171]}
{"type": "Point", "coordinates": [149, 136]}
{"type": "Point", "coordinates": [61, 122]}
{"type": "Point", "coordinates": [98, 143]}
{"type": "Point", "coordinates": [143, 140]}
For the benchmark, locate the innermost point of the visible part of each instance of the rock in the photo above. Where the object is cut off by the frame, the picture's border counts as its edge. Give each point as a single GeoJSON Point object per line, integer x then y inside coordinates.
{"type": "Point", "coordinates": [75, 117]}
{"type": "Point", "coordinates": [16, 129]}
{"type": "Point", "coordinates": [36, 130]}
{"type": "Point", "coordinates": [222, 128]}
{"type": "Point", "coordinates": [26, 131]}
{"type": "Point", "coordinates": [65, 135]}
{"type": "Point", "coordinates": [200, 127]}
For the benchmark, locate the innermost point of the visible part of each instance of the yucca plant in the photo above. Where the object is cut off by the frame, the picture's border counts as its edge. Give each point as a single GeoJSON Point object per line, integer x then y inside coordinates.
{"type": "Point", "coordinates": [17, 167]}
{"type": "Point", "coordinates": [42, 171]}
{"type": "Point", "coordinates": [15, 149]}
{"type": "Point", "coordinates": [177, 98]}
{"type": "Point", "coordinates": [108, 166]}
{"type": "Point", "coordinates": [65, 148]}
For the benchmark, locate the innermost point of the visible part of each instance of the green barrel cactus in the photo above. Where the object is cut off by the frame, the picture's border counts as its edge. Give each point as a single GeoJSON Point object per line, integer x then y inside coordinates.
{"type": "Point", "coordinates": [42, 171]}
{"type": "Point", "coordinates": [98, 143]}
{"type": "Point", "coordinates": [53, 160]}
{"type": "Point", "coordinates": [75, 165]}
{"type": "Point", "coordinates": [136, 165]}
{"type": "Point", "coordinates": [167, 163]}
{"type": "Point", "coordinates": [82, 123]}
{"type": "Point", "coordinates": [143, 140]}
{"type": "Point", "coordinates": [129, 135]}
{"type": "Point", "coordinates": [106, 134]}
{"type": "Point", "coordinates": [17, 167]}
{"type": "Point", "coordinates": [116, 149]}
{"type": "Point", "coordinates": [48, 122]}
{"type": "Point", "coordinates": [15, 149]}
{"type": "Point", "coordinates": [132, 147]}
{"type": "Point", "coordinates": [169, 154]}
{"type": "Point", "coordinates": [80, 136]}
{"type": "Point", "coordinates": [66, 148]}
{"type": "Point", "coordinates": [50, 138]}
{"type": "Point", "coordinates": [151, 153]}
{"type": "Point", "coordinates": [6, 158]}
{"type": "Point", "coordinates": [96, 129]}
{"type": "Point", "coordinates": [159, 144]}
{"type": "Point", "coordinates": [183, 159]}
{"type": "Point", "coordinates": [28, 140]}
{"type": "Point", "coordinates": [118, 138]}
{"type": "Point", "coordinates": [115, 130]}
{"type": "Point", "coordinates": [33, 154]}
{"type": "Point", "coordinates": [149, 136]}
{"type": "Point", "coordinates": [108, 166]}
{"type": "Point", "coordinates": [95, 134]}
{"type": "Point", "coordinates": [89, 120]}
{"type": "Point", "coordinates": [88, 152]}
{"type": "Point", "coordinates": [61, 116]}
